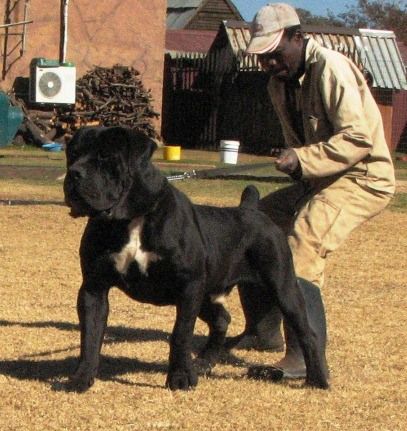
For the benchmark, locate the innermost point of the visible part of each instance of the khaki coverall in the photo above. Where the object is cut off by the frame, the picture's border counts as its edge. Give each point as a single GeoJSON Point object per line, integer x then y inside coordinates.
{"type": "Point", "coordinates": [347, 171]}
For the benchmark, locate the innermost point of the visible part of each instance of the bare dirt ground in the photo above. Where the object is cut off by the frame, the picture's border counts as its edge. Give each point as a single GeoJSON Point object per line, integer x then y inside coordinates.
{"type": "Point", "coordinates": [365, 297]}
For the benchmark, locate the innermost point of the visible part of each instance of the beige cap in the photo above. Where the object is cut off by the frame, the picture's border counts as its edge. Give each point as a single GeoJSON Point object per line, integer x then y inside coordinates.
{"type": "Point", "coordinates": [268, 26]}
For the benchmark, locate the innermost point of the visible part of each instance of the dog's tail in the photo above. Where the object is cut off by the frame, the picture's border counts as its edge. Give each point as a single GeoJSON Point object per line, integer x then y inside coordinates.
{"type": "Point", "coordinates": [250, 197]}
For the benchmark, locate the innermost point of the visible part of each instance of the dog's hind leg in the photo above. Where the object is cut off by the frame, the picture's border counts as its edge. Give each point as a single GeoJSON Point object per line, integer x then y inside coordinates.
{"type": "Point", "coordinates": [218, 319]}
{"type": "Point", "coordinates": [293, 307]}
{"type": "Point", "coordinates": [93, 309]}
{"type": "Point", "coordinates": [263, 321]}
{"type": "Point", "coordinates": [291, 365]}
{"type": "Point", "coordinates": [281, 283]}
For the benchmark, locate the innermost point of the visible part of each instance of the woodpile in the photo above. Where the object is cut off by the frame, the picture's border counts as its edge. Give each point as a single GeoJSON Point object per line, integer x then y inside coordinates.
{"type": "Point", "coordinates": [104, 96]}
{"type": "Point", "coordinates": [110, 97]}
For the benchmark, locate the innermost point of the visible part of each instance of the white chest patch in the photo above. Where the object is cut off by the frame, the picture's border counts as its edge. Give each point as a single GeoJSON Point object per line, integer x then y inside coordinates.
{"type": "Point", "coordinates": [132, 251]}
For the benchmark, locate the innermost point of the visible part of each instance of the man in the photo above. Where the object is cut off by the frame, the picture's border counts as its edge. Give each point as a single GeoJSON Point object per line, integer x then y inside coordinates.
{"type": "Point", "coordinates": [335, 150]}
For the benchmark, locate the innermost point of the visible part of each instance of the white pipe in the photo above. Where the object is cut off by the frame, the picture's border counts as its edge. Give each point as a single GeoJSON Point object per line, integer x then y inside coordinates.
{"type": "Point", "coordinates": [64, 30]}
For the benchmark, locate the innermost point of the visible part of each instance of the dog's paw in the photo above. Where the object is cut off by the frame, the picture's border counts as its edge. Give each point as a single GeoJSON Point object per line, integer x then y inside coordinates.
{"type": "Point", "coordinates": [318, 383]}
{"type": "Point", "coordinates": [207, 358]}
{"type": "Point", "coordinates": [317, 376]}
{"type": "Point", "coordinates": [181, 380]}
{"type": "Point", "coordinates": [203, 366]}
{"type": "Point", "coordinates": [79, 382]}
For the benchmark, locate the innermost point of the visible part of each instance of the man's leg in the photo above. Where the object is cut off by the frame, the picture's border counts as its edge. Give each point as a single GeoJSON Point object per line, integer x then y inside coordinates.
{"type": "Point", "coordinates": [321, 226]}
{"type": "Point", "coordinates": [326, 218]}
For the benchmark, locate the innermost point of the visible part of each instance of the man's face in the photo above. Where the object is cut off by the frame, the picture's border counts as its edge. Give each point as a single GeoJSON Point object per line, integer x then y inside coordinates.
{"type": "Point", "coordinates": [285, 61]}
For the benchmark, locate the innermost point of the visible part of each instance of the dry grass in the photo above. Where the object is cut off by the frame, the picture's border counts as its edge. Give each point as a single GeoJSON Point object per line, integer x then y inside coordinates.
{"type": "Point", "coordinates": [39, 278]}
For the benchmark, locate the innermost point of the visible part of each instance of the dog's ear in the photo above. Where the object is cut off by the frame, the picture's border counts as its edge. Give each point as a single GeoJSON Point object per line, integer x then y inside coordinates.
{"type": "Point", "coordinates": [82, 138]}
{"type": "Point", "coordinates": [140, 146]}
{"type": "Point", "coordinates": [143, 145]}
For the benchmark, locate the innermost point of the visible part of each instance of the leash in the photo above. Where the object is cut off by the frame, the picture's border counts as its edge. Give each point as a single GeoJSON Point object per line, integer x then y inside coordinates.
{"type": "Point", "coordinates": [216, 172]}
{"type": "Point", "coordinates": [13, 202]}
{"type": "Point", "coordinates": [229, 171]}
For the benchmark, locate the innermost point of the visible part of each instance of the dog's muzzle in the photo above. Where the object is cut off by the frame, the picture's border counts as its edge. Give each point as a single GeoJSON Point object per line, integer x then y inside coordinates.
{"type": "Point", "coordinates": [73, 197]}
{"type": "Point", "coordinates": [84, 196]}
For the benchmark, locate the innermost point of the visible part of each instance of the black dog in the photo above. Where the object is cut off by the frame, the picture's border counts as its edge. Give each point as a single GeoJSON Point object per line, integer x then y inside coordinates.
{"type": "Point", "coordinates": [146, 238]}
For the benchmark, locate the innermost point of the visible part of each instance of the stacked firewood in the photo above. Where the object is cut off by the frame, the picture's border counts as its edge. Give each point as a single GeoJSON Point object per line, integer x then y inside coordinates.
{"type": "Point", "coordinates": [110, 97]}
{"type": "Point", "coordinates": [104, 96]}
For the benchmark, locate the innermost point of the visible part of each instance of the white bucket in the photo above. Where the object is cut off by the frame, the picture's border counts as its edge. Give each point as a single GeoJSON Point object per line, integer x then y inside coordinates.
{"type": "Point", "coordinates": [229, 151]}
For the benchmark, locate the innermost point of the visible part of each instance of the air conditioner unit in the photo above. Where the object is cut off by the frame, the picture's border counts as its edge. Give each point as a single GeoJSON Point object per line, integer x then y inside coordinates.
{"type": "Point", "coordinates": [51, 82]}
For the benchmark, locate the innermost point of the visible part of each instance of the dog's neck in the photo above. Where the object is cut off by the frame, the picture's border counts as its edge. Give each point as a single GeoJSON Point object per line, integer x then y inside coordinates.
{"type": "Point", "coordinates": [142, 195]}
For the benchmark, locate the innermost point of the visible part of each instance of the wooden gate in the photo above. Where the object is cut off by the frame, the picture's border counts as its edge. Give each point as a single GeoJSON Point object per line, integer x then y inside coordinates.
{"type": "Point", "coordinates": [206, 99]}
{"type": "Point", "coordinates": [189, 101]}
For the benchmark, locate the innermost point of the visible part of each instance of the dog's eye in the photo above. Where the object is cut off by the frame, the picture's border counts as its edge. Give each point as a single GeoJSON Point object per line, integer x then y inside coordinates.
{"type": "Point", "coordinates": [104, 153]}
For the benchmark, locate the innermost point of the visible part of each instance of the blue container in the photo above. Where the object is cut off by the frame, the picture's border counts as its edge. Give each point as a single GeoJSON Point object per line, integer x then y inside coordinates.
{"type": "Point", "coordinates": [11, 118]}
{"type": "Point", "coordinates": [53, 146]}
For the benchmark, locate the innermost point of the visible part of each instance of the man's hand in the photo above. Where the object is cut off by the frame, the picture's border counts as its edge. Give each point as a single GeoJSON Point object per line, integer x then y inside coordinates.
{"type": "Point", "coordinates": [288, 163]}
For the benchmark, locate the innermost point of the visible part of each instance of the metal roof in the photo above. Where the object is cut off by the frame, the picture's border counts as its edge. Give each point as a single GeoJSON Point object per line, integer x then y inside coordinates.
{"type": "Point", "coordinates": [178, 20]}
{"type": "Point", "coordinates": [403, 51]}
{"type": "Point", "coordinates": [381, 56]}
{"type": "Point", "coordinates": [375, 50]}
{"type": "Point", "coordinates": [188, 40]}
{"type": "Point", "coordinates": [180, 12]}
{"type": "Point", "coordinates": [183, 3]}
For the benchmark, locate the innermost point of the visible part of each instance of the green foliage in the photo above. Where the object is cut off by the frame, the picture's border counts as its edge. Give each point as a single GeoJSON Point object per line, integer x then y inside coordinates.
{"type": "Point", "coordinates": [306, 17]}
{"type": "Point", "coordinates": [375, 14]}
{"type": "Point", "coordinates": [381, 15]}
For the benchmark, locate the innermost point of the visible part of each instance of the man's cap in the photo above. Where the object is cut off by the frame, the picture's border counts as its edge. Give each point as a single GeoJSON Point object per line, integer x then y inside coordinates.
{"type": "Point", "coordinates": [268, 26]}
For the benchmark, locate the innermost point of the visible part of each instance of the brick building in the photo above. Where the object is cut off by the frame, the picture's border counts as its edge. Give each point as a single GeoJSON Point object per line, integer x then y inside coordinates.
{"type": "Point", "coordinates": [98, 33]}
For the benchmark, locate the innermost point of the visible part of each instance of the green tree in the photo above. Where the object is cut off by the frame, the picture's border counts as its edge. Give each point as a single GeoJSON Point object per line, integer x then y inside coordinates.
{"type": "Point", "coordinates": [381, 15]}
{"type": "Point", "coordinates": [307, 17]}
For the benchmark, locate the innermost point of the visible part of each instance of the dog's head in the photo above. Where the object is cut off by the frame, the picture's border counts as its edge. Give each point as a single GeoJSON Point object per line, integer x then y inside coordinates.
{"type": "Point", "coordinates": [109, 173]}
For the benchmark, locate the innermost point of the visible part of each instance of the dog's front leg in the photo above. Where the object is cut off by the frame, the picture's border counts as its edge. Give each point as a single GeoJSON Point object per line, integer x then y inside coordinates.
{"type": "Point", "coordinates": [181, 373]}
{"type": "Point", "coordinates": [93, 309]}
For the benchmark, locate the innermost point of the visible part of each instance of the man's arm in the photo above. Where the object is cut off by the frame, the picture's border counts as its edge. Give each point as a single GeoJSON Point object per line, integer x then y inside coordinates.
{"type": "Point", "coordinates": [351, 141]}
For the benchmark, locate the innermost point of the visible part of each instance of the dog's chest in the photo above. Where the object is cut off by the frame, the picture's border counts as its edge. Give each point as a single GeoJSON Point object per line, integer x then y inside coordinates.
{"type": "Point", "coordinates": [132, 252]}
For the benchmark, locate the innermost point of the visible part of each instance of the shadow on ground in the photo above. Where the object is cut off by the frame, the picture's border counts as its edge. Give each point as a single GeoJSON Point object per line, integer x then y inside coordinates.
{"type": "Point", "coordinates": [30, 367]}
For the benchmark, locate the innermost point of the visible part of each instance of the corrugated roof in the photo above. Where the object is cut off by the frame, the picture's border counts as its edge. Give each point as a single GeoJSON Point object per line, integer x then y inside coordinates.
{"type": "Point", "coordinates": [336, 38]}
{"type": "Point", "coordinates": [376, 50]}
{"type": "Point", "coordinates": [180, 12]}
{"type": "Point", "coordinates": [183, 3]}
{"type": "Point", "coordinates": [189, 40]}
{"type": "Point", "coordinates": [381, 56]}
{"type": "Point", "coordinates": [403, 51]}
{"type": "Point", "coordinates": [178, 20]}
